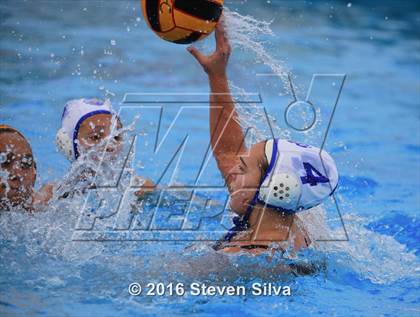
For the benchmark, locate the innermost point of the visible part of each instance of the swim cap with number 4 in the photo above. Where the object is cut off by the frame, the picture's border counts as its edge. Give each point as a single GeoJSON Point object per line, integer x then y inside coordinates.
{"type": "Point", "coordinates": [299, 176]}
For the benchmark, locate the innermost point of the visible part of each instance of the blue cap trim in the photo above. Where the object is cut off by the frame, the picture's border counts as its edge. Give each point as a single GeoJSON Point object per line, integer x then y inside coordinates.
{"type": "Point", "coordinates": [79, 123]}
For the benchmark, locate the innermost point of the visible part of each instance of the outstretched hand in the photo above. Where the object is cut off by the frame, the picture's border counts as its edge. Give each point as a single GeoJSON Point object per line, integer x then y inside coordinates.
{"type": "Point", "coordinates": [216, 63]}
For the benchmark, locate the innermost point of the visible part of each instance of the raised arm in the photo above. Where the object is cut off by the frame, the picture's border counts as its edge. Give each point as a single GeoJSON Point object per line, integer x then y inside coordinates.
{"type": "Point", "coordinates": [227, 138]}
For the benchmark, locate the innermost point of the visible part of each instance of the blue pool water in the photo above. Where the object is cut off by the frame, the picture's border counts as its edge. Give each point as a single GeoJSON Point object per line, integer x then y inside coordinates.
{"type": "Point", "coordinates": [53, 51]}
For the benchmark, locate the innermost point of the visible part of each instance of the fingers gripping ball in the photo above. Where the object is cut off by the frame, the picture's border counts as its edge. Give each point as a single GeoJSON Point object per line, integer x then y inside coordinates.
{"type": "Point", "coordinates": [182, 21]}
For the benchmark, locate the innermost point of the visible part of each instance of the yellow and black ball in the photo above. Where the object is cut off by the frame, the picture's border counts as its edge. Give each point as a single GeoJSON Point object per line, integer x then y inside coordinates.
{"type": "Point", "coordinates": [182, 21]}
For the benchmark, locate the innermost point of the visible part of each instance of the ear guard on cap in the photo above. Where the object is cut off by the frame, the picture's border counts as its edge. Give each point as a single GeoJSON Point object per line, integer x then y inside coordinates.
{"type": "Point", "coordinates": [281, 190]}
{"type": "Point", "coordinates": [64, 144]}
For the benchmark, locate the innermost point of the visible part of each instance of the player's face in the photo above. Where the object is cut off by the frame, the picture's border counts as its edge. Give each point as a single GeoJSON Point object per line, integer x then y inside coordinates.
{"type": "Point", "coordinates": [18, 171]}
{"type": "Point", "coordinates": [245, 178]}
{"type": "Point", "coordinates": [95, 129]}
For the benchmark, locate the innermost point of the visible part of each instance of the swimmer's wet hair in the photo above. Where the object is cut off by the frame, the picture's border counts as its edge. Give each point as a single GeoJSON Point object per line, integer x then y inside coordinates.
{"type": "Point", "coordinates": [4, 128]}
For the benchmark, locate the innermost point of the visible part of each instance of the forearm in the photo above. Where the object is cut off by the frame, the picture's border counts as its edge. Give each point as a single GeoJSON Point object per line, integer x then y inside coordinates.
{"type": "Point", "coordinates": [227, 138]}
{"type": "Point", "coordinates": [226, 132]}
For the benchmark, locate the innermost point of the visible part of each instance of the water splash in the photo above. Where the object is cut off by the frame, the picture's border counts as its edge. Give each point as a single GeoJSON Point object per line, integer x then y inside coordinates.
{"type": "Point", "coordinates": [379, 258]}
{"type": "Point", "coordinates": [253, 117]}
{"type": "Point", "coordinates": [373, 256]}
{"type": "Point", "coordinates": [245, 33]}
{"type": "Point", "coordinates": [97, 166]}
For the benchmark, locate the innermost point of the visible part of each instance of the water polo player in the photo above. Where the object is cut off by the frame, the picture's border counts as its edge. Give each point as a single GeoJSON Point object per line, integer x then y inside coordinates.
{"type": "Point", "coordinates": [90, 128]}
{"type": "Point", "coordinates": [269, 182]}
{"type": "Point", "coordinates": [18, 172]}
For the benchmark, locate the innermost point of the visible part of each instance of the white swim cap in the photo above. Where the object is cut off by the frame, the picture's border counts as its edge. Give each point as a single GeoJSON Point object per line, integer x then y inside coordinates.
{"type": "Point", "coordinates": [296, 178]}
{"type": "Point", "coordinates": [75, 112]}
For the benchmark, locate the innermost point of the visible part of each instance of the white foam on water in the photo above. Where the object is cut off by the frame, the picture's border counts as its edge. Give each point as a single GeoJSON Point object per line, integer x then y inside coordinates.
{"type": "Point", "coordinates": [378, 257]}
{"type": "Point", "coordinates": [374, 256]}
